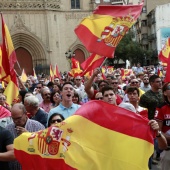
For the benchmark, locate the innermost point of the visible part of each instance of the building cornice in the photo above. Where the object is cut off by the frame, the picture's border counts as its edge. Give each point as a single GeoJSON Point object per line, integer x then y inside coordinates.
{"type": "Point", "coordinates": [54, 5]}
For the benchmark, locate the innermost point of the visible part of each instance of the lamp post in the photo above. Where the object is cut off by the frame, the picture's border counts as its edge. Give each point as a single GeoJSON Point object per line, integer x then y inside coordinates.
{"type": "Point", "coordinates": [69, 54]}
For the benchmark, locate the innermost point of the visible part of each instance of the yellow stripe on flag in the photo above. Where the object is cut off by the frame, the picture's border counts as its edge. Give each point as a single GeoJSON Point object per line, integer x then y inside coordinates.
{"type": "Point", "coordinates": [90, 146]}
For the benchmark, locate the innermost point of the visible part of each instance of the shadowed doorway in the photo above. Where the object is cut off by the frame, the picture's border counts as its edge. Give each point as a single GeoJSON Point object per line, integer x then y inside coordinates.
{"type": "Point", "coordinates": [24, 61]}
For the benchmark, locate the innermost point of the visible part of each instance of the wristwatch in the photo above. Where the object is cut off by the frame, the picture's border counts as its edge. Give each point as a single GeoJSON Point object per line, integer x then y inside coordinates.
{"type": "Point", "coordinates": [159, 134]}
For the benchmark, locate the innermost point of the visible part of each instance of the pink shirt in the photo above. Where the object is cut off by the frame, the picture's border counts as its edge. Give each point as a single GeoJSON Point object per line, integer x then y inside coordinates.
{"type": "Point", "coordinates": [45, 106]}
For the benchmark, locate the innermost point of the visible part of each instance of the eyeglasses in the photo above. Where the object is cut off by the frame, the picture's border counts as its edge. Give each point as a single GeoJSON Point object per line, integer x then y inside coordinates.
{"type": "Point", "coordinates": [56, 120]}
{"type": "Point", "coordinates": [38, 87]}
{"type": "Point", "coordinates": [114, 83]}
{"type": "Point", "coordinates": [18, 118]}
{"type": "Point", "coordinates": [78, 79]}
{"type": "Point", "coordinates": [134, 82]}
{"type": "Point", "coordinates": [99, 98]}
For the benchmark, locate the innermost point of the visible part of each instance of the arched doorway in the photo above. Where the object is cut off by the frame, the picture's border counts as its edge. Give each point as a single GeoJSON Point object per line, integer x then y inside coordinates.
{"type": "Point", "coordinates": [31, 53]}
{"type": "Point", "coordinates": [79, 55]}
{"type": "Point", "coordinates": [24, 59]}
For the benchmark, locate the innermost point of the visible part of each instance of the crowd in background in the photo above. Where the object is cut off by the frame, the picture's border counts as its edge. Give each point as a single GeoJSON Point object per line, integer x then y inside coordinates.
{"type": "Point", "coordinates": [43, 102]}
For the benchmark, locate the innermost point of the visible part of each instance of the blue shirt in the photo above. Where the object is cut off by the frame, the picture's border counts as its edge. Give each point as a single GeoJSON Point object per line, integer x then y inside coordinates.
{"type": "Point", "coordinates": [66, 112]}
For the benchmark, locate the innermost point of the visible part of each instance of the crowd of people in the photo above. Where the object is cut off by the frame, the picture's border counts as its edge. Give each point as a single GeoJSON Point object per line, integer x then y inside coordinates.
{"type": "Point", "coordinates": [43, 103]}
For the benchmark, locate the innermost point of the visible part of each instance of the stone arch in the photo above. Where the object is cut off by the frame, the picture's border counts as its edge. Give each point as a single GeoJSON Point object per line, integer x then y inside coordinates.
{"type": "Point", "coordinates": [33, 45]}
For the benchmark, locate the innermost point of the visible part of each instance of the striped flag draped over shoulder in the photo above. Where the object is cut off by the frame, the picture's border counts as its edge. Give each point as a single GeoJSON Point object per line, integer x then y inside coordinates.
{"type": "Point", "coordinates": [101, 32]}
{"type": "Point", "coordinates": [99, 136]}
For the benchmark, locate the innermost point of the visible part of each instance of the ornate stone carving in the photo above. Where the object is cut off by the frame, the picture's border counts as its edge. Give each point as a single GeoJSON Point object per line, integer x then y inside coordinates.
{"type": "Point", "coordinates": [19, 23]}
{"type": "Point", "coordinates": [30, 4]}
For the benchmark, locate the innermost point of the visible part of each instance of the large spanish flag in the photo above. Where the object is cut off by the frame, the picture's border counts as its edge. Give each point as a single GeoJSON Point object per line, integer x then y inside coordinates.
{"type": "Point", "coordinates": [102, 31]}
{"type": "Point", "coordinates": [91, 63]}
{"type": "Point", "coordinates": [99, 136]}
{"type": "Point", "coordinates": [7, 65]}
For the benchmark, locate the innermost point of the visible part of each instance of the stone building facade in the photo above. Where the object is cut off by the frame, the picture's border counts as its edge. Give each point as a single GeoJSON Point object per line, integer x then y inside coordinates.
{"type": "Point", "coordinates": [43, 31]}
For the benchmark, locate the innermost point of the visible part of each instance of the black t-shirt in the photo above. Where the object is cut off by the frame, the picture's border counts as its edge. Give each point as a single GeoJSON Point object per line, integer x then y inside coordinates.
{"type": "Point", "coordinates": [6, 138]}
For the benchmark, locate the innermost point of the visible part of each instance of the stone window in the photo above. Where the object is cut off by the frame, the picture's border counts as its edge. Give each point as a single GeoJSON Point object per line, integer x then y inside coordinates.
{"type": "Point", "coordinates": [75, 4]}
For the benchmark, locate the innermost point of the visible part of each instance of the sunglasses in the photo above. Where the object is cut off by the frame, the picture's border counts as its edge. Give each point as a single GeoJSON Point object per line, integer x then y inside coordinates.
{"type": "Point", "coordinates": [134, 82]}
{"type": "Point", "coordinates": [56, 120]}
{"type": "Point", "coordinates": [145, 79]}
{"type": "Point", "coordinates": [114, 82]}
{"type": "Point", "coordinates": [2, 98]}
{"type": "Point", "coordinates": [38, 87]}
{"type": "Point", "coordinates": [78, 79]}
{"type": "Point", "coordinates": [99, 98]}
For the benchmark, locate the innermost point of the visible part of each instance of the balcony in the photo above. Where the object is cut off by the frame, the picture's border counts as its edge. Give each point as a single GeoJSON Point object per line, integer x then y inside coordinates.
{"type": "Point", "coordinates": [151, 37]}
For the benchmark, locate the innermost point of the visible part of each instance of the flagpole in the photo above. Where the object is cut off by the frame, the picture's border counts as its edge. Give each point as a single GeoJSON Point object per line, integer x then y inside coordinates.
{"type": "Point", "coordinates": [19, 65]}
{"type": "Point", "coordinates": [103, 62]}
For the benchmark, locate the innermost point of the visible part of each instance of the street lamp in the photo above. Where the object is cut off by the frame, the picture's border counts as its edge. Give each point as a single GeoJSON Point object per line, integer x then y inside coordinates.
{"type": "Point", "coordinates": [69, 54]}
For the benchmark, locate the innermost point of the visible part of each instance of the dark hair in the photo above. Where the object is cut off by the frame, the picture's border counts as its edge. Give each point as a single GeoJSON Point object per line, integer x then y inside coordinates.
{"type": "Point", "coordinates": [152, 78]}
{"type": "Point", "coordinates": [58, 86]}
{"type": "Point", "coordinates": [101, 81]}
{"type": "Point", "coordinates": [22, 94]}
{"type": "Point", "coordinates": [164, 88]}
{"type": "Point", "coordinates": [50, 84]}
{"type": "Point", "coordinates": [68, 82]}
{"type": "Point", "coordinates": [51, 97]}
{"type": "Point", "coordinates": [132, 89]}
{"type": "Point", "coordinates": [106, 88]}
{"type": "Point", "coordinates": [55, 114]}
{"type": "Point", "coordinates": [77, 95]}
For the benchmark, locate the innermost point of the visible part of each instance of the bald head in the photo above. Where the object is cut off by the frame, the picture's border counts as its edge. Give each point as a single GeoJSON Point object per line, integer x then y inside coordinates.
{"type": "Point", "coordinates": [18, 113]}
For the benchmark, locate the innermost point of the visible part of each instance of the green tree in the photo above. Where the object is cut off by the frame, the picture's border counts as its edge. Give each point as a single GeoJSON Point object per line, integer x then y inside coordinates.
{"type": "Point", "coordinates": [130, 50]}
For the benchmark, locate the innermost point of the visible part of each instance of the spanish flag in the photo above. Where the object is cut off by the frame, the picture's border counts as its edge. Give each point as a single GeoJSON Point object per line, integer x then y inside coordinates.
{"type": "Point", "coordinates": [92, 62]}
{"type": "Point", "coordinates": [56, 72]}
{"type": "Point", "coordinates": [165, 52]}
{"type": "Point", "coordinates": [101, 32]}
{"type": "Point", "coordinates": [24, 76]}
{"type": "Point", "coordinates": [99, 136]}
{"type": "Point", "coordinates": [8, 60]}
{"type": "Point", "coordinates": [75, 68]}
{"type": "Point", "coordinates": [51, 73]}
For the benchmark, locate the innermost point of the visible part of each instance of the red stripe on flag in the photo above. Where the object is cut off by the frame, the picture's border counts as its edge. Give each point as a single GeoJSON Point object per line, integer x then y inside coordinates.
{"type": "Point", "coordinates": [114, 113]}
{"type": "Point", "coordinates": [97, 46]}
{"type": "Point", "coordinates": [53, 164]}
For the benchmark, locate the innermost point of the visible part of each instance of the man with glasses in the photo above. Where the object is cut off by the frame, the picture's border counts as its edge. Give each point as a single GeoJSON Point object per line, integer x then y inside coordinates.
{"type": "Point", "coordinates": [21, 123]}
{"type": "Point", "coordinates": [46, 103]}
{"type": "Point", "coordinates": [79, 88]}
{"type": "Point", "coordinates": [133, 83]}
{"type": "Point", "coordinates": [118, 91]}
{"type": "Point", "coordinates": [37, 92]}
